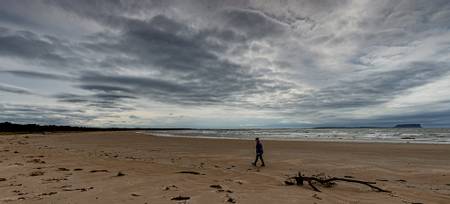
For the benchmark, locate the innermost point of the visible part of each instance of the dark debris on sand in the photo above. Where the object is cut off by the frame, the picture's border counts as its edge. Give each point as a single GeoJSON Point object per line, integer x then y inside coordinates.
{"type": "Point", "coordinates": [231, 200]}
{"type": "Point", "coordinates": [120, 174]}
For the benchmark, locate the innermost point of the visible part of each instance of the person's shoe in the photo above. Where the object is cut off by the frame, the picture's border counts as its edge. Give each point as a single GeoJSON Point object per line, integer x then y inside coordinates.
{"type": "Point", "coordinates": [263, 165]}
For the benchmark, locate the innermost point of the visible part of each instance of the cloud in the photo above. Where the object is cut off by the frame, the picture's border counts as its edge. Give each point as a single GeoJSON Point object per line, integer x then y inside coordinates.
{"type": "Point", "coordinates": [98, 100]}
{"type": "Point", "coordinates": [252, 23]}
{"type": "Point", "coordinates": [186, 68]}
{"type": "Point", "coordinates": [296, 62]}
{"type": "Point", "coordinates": [14, 89]}
{"type": "Point", "coordinates": [37, 75]}
{"type": "Point", "coordinates": [43, 115]}
{"type": "Point", "coordinates": [375, 88]}
{"type": "Point", "coordinates": [208, 89]}
{"type": "Point", "coordinates": [28, 47]}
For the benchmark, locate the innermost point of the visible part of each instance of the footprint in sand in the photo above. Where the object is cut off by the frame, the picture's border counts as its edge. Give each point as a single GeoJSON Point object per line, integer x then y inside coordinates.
{"type": "Point", "coordinates": [382, 180]}
{"type": "Point", "coordinates": [220, 188]}
{"type": "Point", "coordinates": [37, 173]}
{"type": "Point", "coordinates": [216, 186]}
{"type": "Point", "coordinates": [78, 189]}
{"type": "Point", "coordinates": [50, 180]}
{"type": "Point", "coordinates": [180, 198]}
{"type": "Point", "coordinates": [172, 187]}
{"type": "Point", "coordinates": [32, 156]}
{"type": "Point", "coordinates": [239, 182]}
{"type": "Point", "coordinates": [48, 194]}
{"type": "Point", "coordinates": [191, 172]}
{"type": "Point", "coordinates": [36, 161]}
{"type": "Point", "coordinates": [19, 193]}
{"type": "Point", "coordinates": [21, 198]}
{"type": "Point", "coordinates": [100, 170]}
{"type": "Point", "coordinates": [63, 169]}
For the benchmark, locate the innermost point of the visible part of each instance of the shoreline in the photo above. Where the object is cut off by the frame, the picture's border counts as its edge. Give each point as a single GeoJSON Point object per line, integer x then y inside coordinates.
{"type": "Point", "coordinates": [404, 141]}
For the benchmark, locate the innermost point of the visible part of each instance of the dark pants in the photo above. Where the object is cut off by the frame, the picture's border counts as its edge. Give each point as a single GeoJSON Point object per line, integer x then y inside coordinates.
{"type": "Point", "coordinates": [259, 156]}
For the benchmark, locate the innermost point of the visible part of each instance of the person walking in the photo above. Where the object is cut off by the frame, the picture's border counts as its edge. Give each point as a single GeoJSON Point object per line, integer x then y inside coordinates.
{"type": "Point", "coordinates": [259, 152]}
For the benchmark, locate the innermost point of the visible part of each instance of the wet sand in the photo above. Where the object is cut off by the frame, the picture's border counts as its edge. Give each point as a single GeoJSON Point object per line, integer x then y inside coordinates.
{"type": "Point", "coordinates": [126, 167]}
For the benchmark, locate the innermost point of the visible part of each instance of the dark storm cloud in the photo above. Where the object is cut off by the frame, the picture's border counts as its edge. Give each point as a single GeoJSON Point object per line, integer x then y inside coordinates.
{"type": "Point", "coordinates": [212, 90]}
{"type": "Point", "coordinates": [375, 88]}
{"type": "Point", "coordinates": [252, 23]}
{"type": "Point", "coordinates": [32, 48]}
{"type": "Point", "coordinates": [14, 89]}
{"type": "Point", "coordinates": [179, 52]}
{"type": "Point", "coordinates": [168, 44]}
{"type": "Point", "coordinates": [136, 83]}
{"type": "Point", "coordinates": [37, 75]}
{"type": "Point", "coordinates": [8, 17]}
{"type": "Point", "coordinates": [190, 70]}
{"type": "Point", "coordinates": [105, 88]}
{"type": "Point", "coordinates": [43, 115]}
{"type": "Point", "coordinates": [24, 44]}
{"type": "Point", "coordinates": [99, 100]}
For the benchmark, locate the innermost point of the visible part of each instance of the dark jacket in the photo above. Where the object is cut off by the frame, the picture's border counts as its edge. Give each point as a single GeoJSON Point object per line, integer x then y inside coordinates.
{"type": "Point", "coordinates": [259, 148]}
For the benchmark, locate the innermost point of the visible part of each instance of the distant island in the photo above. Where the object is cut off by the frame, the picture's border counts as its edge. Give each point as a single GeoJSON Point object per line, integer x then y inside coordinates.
{"type": "Point", "coordinates": [408, 126]}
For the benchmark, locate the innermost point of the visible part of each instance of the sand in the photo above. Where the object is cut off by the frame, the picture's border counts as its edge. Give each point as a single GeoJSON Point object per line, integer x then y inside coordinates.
{"type": "Point", "coordinates": [84, 168]}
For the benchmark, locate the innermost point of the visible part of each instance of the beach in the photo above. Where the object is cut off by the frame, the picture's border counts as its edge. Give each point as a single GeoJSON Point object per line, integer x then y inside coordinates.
{"type": "Point", "coordinates": [129, 167]}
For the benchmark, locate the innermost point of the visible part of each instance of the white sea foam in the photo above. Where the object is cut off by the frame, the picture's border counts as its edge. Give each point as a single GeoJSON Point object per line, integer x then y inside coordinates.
{"type": "Point", "coordinates": [390, 135]}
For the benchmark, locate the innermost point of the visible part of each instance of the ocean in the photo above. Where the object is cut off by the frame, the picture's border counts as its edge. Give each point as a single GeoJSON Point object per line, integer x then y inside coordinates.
{"type": "Point", "coordinates": [388, 135]}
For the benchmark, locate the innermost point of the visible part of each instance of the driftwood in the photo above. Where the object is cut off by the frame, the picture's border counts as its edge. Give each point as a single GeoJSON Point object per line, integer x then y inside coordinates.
{"type": "Point", "coordinates": [327, 182]}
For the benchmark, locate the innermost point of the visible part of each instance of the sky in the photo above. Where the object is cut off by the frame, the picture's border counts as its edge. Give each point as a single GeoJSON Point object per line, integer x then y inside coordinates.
{"type": "Point", "coordinates": [225, 64]}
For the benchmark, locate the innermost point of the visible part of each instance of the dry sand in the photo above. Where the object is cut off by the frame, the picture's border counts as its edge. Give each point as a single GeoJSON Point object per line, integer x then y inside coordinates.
{"type": "Point", "coordinates": [83, 168]}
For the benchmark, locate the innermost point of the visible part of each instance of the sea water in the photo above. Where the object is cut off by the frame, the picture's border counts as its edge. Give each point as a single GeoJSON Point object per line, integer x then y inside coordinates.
{"type": "Point", "coordinates": [389, 135]}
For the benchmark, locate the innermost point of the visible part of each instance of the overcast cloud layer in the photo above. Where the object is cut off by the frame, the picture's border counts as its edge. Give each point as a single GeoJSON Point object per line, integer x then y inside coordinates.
{"type": "Point", "coordinates": [222, 64]}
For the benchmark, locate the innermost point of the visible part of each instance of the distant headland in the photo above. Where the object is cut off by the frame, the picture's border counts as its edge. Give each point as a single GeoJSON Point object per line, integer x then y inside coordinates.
{"type": "Point", "coordinates": [33, 128]}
